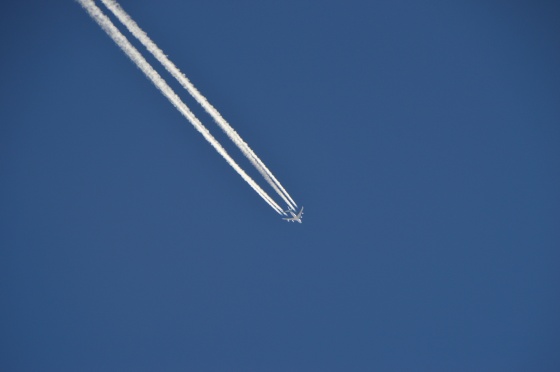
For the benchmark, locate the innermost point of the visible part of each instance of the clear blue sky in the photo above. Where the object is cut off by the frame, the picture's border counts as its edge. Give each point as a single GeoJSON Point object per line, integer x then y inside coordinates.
{"type": "Point", "coordinates": [423, 139]}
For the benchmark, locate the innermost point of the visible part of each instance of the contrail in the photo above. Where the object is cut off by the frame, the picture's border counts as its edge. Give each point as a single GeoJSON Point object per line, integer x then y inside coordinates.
{"type": "Point", "coordinates": [105, 23]}
{"type": "Point", "coordinates": [129, 23]}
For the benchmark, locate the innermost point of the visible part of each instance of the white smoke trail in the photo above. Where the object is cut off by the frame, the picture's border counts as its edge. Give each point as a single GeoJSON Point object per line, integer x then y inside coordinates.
{"type": "Point", "coordinates": [108, 26]}
{"type": "Point", "coordinates": [129, 23]}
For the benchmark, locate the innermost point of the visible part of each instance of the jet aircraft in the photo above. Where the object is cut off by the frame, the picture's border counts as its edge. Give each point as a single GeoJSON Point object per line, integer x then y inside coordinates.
{"type": "Point", "coordinates": [294, 217]}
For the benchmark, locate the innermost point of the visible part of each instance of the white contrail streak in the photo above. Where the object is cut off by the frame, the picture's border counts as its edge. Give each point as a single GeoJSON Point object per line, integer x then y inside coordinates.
{"type": "Point", "coordinates": [108, 26]}
{"type": "Point", "coordinates": [129, 23]}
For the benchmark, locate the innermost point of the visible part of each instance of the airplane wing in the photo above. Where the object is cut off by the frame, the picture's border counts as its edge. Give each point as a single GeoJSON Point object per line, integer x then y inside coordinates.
{"type": "Point", "coordinates": [300, 214]}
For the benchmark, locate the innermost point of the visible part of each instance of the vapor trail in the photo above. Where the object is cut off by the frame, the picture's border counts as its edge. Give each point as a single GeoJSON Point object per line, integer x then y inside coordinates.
{"type": "Point", "coordinates": [129, 23]}
{"type": "Point", "coordinates": [108, 26]}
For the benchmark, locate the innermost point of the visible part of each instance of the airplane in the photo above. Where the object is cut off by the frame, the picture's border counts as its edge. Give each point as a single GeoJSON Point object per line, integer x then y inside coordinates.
{"type": "Point", "coordinates": [294, 216]}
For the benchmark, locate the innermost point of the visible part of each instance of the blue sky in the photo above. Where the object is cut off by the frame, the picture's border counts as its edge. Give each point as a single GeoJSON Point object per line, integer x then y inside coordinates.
{"type": "Point", "coordinates": [421, 137]}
